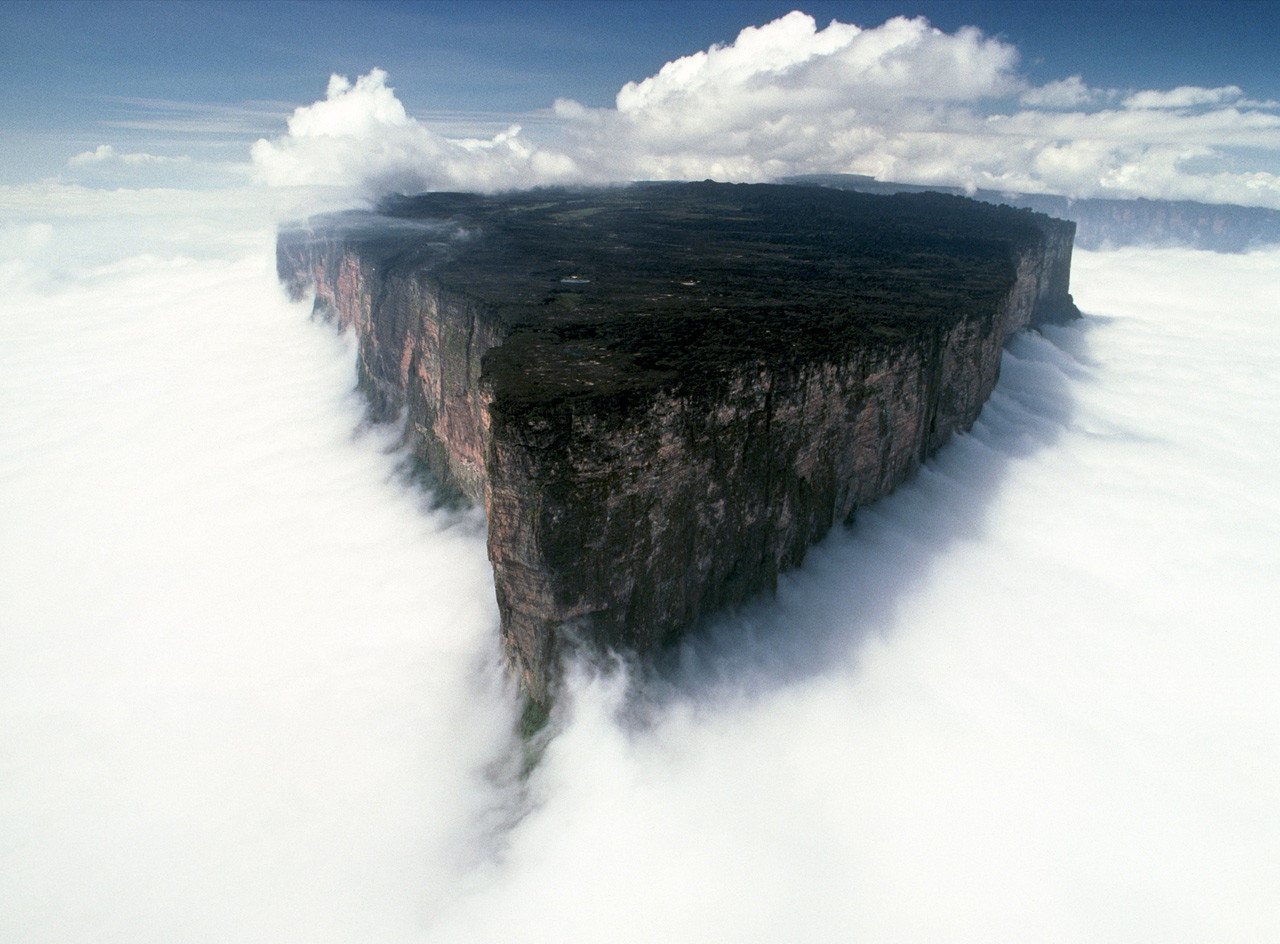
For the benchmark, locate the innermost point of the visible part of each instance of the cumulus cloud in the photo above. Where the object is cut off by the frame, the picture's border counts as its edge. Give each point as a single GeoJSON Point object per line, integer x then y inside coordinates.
{"type": "Point", "coordinates": [359, 137]}
{"type": "Point", "coordinates": [900, 101]}
{"type": "Point", "coordinates": [788, 97]}
{"type": "Point", "coordinates": [791, 62]}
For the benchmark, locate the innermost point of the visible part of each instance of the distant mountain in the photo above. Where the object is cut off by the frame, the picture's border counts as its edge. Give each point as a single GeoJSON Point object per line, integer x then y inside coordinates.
{"type": "Point", "coordinates": [1104, 223]}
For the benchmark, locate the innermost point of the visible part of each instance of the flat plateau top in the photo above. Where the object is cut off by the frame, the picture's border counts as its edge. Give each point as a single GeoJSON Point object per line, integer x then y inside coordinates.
{"type": "Point", "coordinates": [613, 291]}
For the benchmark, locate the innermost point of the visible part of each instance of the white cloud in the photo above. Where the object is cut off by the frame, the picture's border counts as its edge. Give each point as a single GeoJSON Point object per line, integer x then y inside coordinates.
{"type": "Point", "coordinates": [107, 166]}
{"type": "Point", "coordinates": [902, 101]}
{"type": "Point", "coordinates": [1184, 96]}
{"type": "Point", "coordinates": [250, 691]}
{"type": "Point", "coordinates": [1037, 674]}
{"type": "Point", "coordinates": [360, 138]}
{"type": "Point", "coordinates": [1070, 92]}
{"type": "Point", "coordinates": [238, 653]}
{"type": "Point", "coordinates": [204, 748]}
{"type": "Point", "coordinates": [106, 154]}
{"type": "Point", "coordinates": [787, 97]}
{"type": "Point", "coordinates": [790, 63]}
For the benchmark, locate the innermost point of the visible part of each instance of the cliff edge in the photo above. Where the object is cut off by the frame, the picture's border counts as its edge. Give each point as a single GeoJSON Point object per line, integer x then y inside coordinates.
{"type": "Point", "coordinates": [663, 394]}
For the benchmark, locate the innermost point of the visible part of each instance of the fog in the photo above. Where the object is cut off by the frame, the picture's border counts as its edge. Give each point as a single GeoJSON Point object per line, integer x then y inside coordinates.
{"type": "Point", "coordinates": [251, 686]}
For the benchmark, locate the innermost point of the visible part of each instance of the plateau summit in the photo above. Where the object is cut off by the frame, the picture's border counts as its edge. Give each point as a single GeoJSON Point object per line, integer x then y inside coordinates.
{"type": "Point", "coordinates": [663, 394]}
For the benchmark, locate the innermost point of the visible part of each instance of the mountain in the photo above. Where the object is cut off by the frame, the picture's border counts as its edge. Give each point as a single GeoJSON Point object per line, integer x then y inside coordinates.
{"type": "Point", "coordinates": [663, 394]}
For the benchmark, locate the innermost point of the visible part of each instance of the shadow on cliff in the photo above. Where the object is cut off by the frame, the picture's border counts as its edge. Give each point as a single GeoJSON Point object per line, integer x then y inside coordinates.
{"type": "Point", "coordinates": [853, 583]}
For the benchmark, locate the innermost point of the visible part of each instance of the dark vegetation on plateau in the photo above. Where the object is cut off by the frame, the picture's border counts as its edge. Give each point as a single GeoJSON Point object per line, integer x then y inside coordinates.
{"type": "Point", "coordinates": [612, 291]}
{"type": "Point", "coordinates": [665, 393]}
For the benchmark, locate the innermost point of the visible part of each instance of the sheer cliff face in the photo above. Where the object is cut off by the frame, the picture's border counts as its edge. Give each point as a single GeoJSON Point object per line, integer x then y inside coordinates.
{"type": "Point", "coordinates": [632, 492]}
{"type": "Point", "coordinates": [420, 347]}
{"type": "Point", "coordinates": [648, 520]}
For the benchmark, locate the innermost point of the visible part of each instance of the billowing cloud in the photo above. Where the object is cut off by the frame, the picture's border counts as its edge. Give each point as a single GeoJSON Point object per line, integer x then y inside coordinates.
{"type": "Point", "coordinates": [360, 137]}
{"type": "Point", "coordinates": [788, 97]}
{"type": "Point", "coordinates": [900, 101]}
{"type": "Point", "coordinates": [790, 63]}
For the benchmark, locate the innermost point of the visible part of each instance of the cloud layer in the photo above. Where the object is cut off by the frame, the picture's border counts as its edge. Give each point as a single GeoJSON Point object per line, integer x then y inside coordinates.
{"type": "Point", "coordinates": [250, 687]}
{"type": "Point", "coordinates": [237, 650]}
{"type": "Point", "coordinates": [901, 101]}
{"type": "Point", "coordinates": [1028, 698]}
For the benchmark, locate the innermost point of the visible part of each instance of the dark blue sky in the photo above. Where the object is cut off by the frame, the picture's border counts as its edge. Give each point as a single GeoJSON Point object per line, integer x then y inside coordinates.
{"type": "Point", "coordinates": [68, 66]}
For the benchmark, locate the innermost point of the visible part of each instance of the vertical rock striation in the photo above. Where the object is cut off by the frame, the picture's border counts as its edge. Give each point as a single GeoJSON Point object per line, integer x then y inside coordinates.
{"type": "Point", "coordinates": [663, 395]}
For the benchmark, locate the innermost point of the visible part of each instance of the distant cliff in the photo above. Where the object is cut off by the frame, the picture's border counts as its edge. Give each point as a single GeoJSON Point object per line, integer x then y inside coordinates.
{"type": "Point", "coordinates": [1110, 223]}
{"type": "Point", "coordinates": [662, 395]}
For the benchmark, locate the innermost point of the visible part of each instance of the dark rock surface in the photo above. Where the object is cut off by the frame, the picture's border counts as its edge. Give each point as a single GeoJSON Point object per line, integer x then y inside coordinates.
{"type": "Point", "coordinates": [664, 394]}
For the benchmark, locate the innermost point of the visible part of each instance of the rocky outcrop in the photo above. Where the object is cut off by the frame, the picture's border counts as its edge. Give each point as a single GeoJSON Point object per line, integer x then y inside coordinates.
{"type": "Point", "coordinates": [663, 395]}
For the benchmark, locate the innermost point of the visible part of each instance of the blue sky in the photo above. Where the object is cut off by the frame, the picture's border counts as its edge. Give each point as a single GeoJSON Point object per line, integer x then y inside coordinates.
{"type": "Point", "coordinates": [205, 79]}
{"type": "Point", "coordinates": [518, 55]}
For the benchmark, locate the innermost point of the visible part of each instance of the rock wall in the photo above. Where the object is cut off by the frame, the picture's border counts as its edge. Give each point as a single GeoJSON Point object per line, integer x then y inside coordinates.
{"type": "Point", "coordinates": [621, 524]}
{"type": "Point", "coordinates": [626, 526]}
{"type": "Point", "coordinates": [420, 346]}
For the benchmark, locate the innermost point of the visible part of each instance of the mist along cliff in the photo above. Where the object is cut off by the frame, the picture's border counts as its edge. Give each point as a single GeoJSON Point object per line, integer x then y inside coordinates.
{"type": "Point", "coordinates": [663, 394]}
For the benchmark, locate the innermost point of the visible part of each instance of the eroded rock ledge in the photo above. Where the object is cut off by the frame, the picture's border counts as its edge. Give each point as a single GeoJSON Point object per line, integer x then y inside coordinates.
{"type": "Point", "coordinates": [664, 394]}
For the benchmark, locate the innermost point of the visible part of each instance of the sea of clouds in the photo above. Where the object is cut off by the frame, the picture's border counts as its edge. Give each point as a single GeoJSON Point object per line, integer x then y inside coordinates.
{"type": "Point", "coordinates": [251, 686]}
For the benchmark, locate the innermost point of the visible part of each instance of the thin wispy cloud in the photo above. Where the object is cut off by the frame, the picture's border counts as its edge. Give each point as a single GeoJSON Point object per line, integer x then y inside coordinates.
{"type": "Point", "coordinates": [188, 117]}
{"type": "Point", "coordinates": [1185, 96]}
{"type": "Point", "coordinates": [107, 154]}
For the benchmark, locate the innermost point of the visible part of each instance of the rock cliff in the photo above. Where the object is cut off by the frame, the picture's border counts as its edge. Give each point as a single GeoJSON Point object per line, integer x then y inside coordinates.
{"type": "Point", "coordinates": [662, 395]}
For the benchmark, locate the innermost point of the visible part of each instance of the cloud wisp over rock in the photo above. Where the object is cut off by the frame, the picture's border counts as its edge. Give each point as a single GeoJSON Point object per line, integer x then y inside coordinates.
{"type": "Point", "coordinates": [900, 101]}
